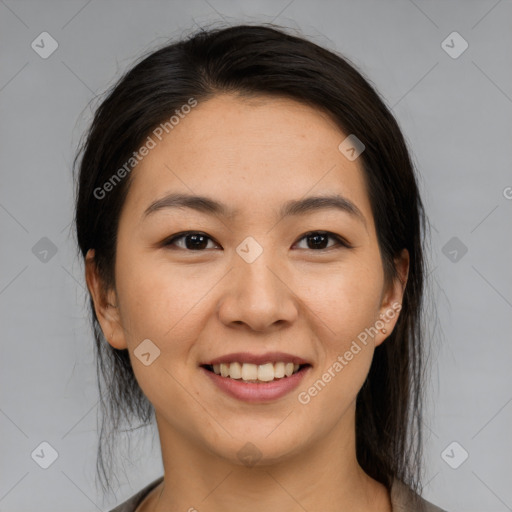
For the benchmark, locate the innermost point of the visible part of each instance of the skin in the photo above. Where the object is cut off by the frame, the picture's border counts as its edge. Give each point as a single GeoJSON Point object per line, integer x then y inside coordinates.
{"type": "Point", "coordinates": [253, 155]}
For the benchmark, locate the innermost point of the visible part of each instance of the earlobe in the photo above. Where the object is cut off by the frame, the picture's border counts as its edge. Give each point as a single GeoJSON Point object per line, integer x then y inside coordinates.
{"type": "Point", "coordinates": [105, 304]}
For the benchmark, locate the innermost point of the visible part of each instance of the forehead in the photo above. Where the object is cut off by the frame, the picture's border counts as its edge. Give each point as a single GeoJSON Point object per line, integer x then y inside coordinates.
{"type": "Point", "coordinates": [248, 152]}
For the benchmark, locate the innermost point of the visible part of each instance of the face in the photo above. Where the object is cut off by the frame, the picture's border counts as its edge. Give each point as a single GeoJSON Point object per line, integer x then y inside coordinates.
{"type": "Point", "coordinates": [248, 279]}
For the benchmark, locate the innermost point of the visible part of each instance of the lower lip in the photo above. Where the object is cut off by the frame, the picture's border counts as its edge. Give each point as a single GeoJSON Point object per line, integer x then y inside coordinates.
{"type": "Point", "coordinates": [257, 392]}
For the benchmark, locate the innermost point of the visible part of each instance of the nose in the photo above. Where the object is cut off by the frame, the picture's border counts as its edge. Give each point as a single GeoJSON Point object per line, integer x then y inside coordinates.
{"type": "Point", "coordinates": [259, 295]}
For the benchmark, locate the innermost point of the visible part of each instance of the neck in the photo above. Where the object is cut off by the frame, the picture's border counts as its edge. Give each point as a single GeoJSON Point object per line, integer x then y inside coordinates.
{"type": "Point", "coordinates": [325, 477]}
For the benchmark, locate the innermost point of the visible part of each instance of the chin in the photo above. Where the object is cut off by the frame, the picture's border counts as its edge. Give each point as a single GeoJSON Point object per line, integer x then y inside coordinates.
{"type": "Point", "coordinates": [258, 448]}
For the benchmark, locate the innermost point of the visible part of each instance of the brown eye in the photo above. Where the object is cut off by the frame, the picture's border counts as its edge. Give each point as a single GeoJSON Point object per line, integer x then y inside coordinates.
{"type": "Point", "coordinates": [197, 241]}
{"type": "Point", "coordinates": [318, 240]}
{"type": "Point", "coordinates": [193, 241]}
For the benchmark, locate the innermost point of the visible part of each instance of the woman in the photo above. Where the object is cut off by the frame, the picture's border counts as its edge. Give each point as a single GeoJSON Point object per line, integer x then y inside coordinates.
{"type": "Point", "coordinates": [252, 230]}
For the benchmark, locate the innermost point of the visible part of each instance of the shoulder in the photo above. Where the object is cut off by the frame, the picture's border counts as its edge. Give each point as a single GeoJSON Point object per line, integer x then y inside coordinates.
{"type": "Point", "coordinates": [133, 502]}
{"type": "Point", "coordinates": [404, 499]}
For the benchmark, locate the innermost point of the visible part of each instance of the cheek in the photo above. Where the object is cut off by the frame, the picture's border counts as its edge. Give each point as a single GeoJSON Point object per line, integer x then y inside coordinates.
{"type": "Point", "coordinates": [162, 302]}
{"type": "Point", "coordinates": [150, 294]}
{"type": "Point", "coordinates": [163, 305]}
{"type": "Point", "coordinates": [345, 304]}
{"type": "Point", "coordinates": [345, 299]}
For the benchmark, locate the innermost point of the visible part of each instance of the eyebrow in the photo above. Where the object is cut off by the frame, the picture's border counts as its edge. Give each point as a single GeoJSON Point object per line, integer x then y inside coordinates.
{"type": "Point", "coordinates": [296, 207]}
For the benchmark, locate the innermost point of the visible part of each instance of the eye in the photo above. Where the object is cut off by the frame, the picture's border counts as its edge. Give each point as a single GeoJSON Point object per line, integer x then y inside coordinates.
{"type": "Point", "coordinates": [193, 240]}
{"type": "Point", "coordinates": [197, 241]}
{"type": "Point", "coordinates": [316, 240]}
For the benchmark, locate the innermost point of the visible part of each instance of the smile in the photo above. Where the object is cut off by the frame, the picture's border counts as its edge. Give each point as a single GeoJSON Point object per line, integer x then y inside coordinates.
{"type": "Point", "coordinates": [256, 383]}
{"type": "Point", "coordinates": [255, 373]}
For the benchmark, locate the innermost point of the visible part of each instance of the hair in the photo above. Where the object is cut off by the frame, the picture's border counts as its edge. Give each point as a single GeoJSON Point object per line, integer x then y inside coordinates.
{"type": "Point", "coordinates": [265, 60]}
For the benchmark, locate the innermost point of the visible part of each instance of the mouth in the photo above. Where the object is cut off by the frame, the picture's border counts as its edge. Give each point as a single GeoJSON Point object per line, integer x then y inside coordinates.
{"type": "Point", "coordinates": [252, 383]}
{"type": "Point", "coordinates": [254, 373]}
{"type": "Point", "coordinates": [256, 378]}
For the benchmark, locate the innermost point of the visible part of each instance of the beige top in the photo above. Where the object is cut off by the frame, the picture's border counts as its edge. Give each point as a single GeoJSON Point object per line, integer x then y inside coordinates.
{"type": "Point", "coordinates": [401, 496]}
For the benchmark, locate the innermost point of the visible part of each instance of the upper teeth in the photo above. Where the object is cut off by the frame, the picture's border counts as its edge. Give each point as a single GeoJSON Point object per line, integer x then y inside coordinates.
{"type": "Point", "coordinates": [253, 372]}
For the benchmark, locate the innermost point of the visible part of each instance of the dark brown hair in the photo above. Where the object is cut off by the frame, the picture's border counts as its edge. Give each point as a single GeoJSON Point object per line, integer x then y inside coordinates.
{"type": "Point", "coordinates": [266, 60]}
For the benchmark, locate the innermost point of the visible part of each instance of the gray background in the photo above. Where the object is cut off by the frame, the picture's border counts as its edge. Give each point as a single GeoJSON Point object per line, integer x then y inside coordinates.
{"type": "Point", "coordinates": [456, 114]}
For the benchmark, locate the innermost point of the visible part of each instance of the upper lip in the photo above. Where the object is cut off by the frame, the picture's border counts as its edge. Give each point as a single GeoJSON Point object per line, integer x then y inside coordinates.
{"type": "Point", "coordinates": [247, 357]}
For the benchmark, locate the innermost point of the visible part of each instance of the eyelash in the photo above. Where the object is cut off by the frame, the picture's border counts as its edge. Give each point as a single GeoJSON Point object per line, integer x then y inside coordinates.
{"type": "Point", "coordinates": [341, 242]}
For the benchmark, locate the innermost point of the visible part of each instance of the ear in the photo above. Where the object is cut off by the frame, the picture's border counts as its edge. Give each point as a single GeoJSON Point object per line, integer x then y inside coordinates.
{"type": "Point", "coordinates": [105, 304]}
{"type": "Point", "coordinates": [392, 298]}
